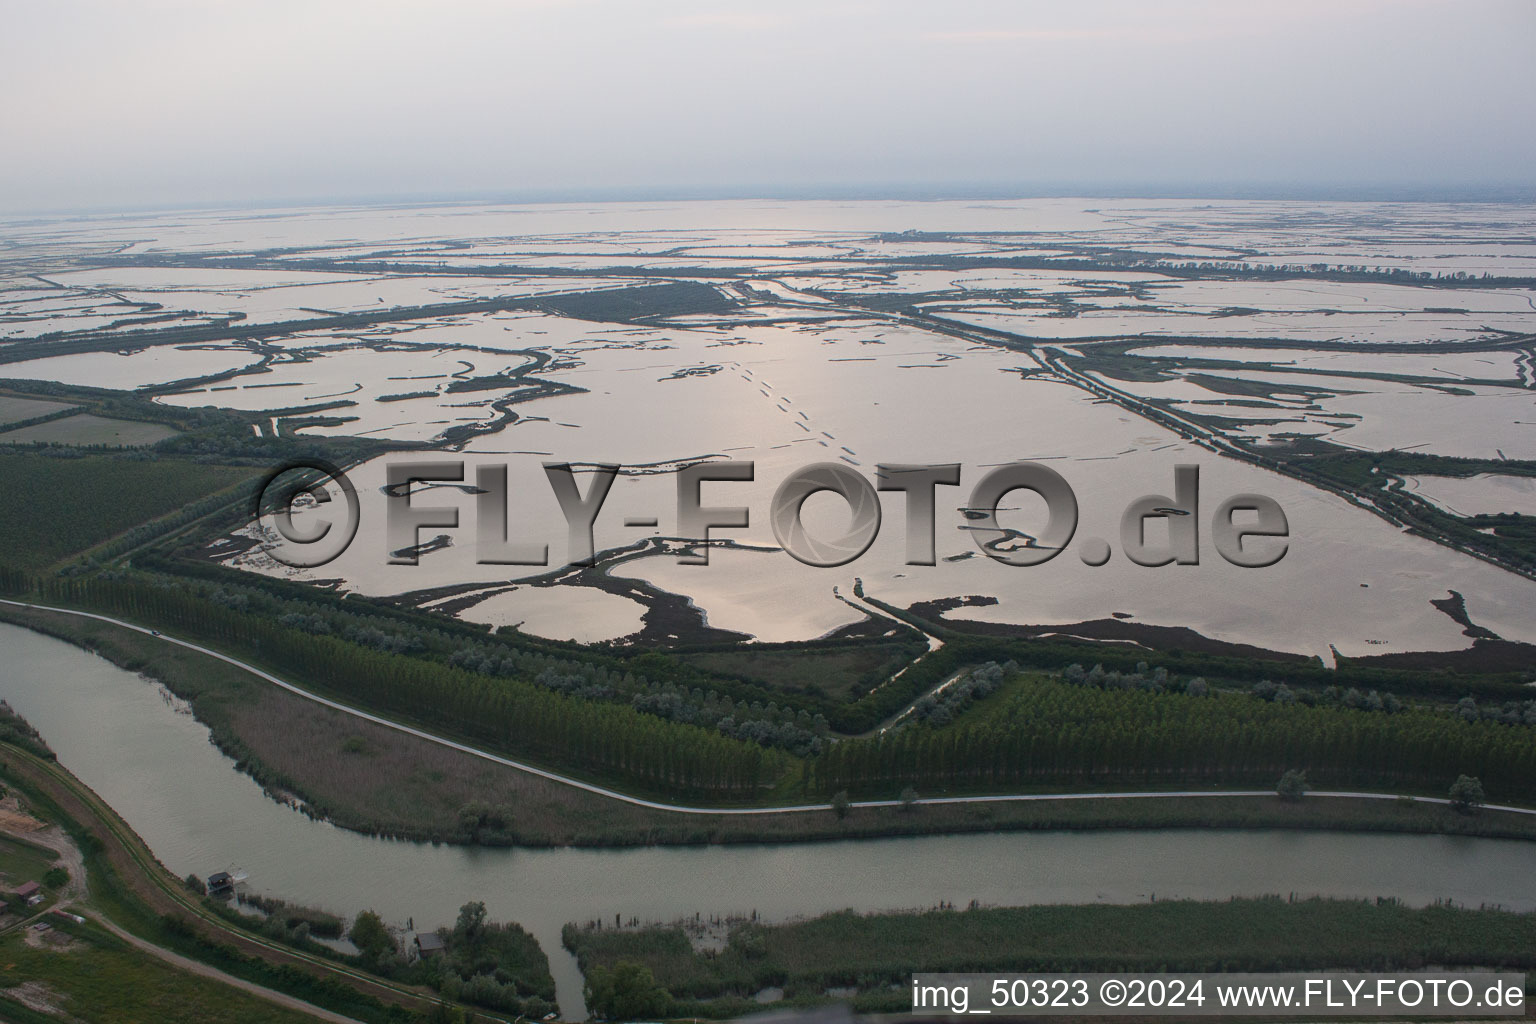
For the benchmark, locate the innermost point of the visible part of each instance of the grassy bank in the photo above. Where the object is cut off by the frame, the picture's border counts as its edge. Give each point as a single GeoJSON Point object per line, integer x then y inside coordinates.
{"type": "Point", "coordinates": [497, 967]}
{"type": "Point", "coordinates": [378, 780]}
{"type": "Point", "coordinates": [136, 893]}
{"type": "Point", "coordinates": [873, 953]}
{"type": "Point", "coordinates": [83, 973]}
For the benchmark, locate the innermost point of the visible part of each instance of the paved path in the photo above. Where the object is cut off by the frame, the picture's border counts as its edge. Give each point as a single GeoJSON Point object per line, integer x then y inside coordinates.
{"type": "Point", "coordinates": [203, 970]}
{"type": "Point", "coordinates": [686, 809]}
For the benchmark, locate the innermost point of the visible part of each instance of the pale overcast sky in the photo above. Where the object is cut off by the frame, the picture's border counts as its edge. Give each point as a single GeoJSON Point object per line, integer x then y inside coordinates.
{"type": "Point", "coordinates": [160, 102]}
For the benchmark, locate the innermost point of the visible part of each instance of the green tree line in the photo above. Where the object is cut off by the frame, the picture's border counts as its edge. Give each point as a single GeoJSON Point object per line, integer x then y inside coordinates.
{"type": "Point", "coordinates": [1043, 730]}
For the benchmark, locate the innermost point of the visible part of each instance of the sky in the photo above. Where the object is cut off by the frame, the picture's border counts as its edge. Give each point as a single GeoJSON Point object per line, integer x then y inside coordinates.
{"type": "Point", "coordinates": [113, 105]}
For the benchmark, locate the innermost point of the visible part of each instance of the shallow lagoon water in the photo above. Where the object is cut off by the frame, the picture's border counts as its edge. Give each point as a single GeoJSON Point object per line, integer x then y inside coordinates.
{"type": "Point", "coordinates": [786, 394]}
{"type": "Point", "coordinates": [143, 368]}
{"type": "Point", "coordinates": [581, 614]}
{"type": "Point", "coordinates": [1483, 494]}
{"type": "Point", "coordinates": [787, 397]}
{"type": "Point", "coordinates": [863, 390]}
{"type": "Point", "coordinates": [1452, 365]}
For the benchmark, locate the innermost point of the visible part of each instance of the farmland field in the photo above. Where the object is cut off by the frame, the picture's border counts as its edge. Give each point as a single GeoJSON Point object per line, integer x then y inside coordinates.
{"type": "Point", "coordinates": [88, 429]}
{"type": "Point", "coordinates": [52, 507]}
{"type": "Point", "coordinates": [14, 410]}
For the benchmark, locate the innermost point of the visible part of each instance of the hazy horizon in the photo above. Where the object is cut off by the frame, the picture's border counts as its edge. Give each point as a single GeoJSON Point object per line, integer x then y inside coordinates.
{"type": "Point", "coordinates": [175, 104]}
{"type": "Point", "coordinates": [914, 193]}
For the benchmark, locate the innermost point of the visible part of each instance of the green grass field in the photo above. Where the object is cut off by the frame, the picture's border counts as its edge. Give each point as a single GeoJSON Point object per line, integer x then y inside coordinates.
{"type": "Point", "coordinates": [88, 975]}
{"type": "Point", "coordinates": [51, 507]}
{"type": "Point", "coordinates": [21, 862]}
{"type": "Point", "coordinates": [838, 674]}
{"type": "Point", "coordinates": [14, 409]}
{"type": "Point", "coordinates": [87, 428]}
